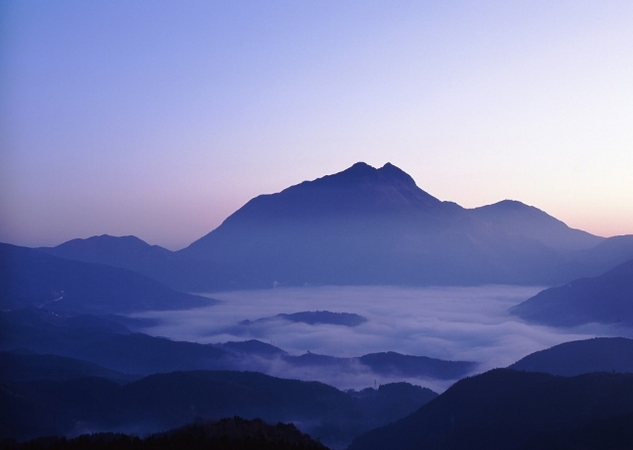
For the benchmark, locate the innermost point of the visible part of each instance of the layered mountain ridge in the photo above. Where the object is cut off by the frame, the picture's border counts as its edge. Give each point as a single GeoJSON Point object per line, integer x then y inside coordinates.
{"type": "Point", "coordinates": [602, 354]}
{"type": "Point", "coordinates": [366, 226]}
{"type": "Point", "coordinates": [32, 278]}
{"type": "Point", "coordinates": [376, 226]}
{"type": "Point", "coordinates": [64, 341]}
{"type": "Point", "coordinates": [607, 298]}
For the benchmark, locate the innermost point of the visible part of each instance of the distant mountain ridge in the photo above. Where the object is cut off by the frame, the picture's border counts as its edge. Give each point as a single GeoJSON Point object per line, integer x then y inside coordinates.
{"type": "Point", "coordinates": [27, 366]}
{"type": "Point", "coordinates": [164, 266]}
{"type": "Point", "coordinates": [613, 354]}
{"type": "Point", "coordinates": [607, 298]}
{"type": "Point", "coordinates": [517, 218]}
{"type": "Point", "coordinates": [32, 278]}
{"type": "Point", "coordinates": [366, 226]}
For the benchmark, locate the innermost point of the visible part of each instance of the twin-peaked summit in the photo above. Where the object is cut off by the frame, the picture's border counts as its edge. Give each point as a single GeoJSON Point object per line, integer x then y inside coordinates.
{"type": "Point", "coordinates": [369, 225]}
{"type": "Point", "coordinates": [364, 187]}
{"type": "Point", "coordinates": [360, 210]}
{"type": "Point", "coordinates": [360, 190]}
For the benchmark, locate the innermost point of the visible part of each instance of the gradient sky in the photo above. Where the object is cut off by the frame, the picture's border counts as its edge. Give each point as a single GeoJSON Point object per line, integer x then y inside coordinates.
{"type": "Point", "coordinates": [161, 118]}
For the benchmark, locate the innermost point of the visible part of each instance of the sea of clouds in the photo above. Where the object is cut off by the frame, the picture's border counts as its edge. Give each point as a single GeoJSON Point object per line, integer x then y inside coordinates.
{"type": "Point", "coordinates": [451, 323]}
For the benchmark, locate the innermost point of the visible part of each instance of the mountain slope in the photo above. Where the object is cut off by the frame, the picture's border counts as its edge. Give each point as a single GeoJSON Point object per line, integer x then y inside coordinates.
{"type": "Point", "coordinates": [31, 278]}
{"type": "Point", "coordinates": [407, 365]}
{"type": "Point", "coordinates": [517, 218]}
{"type": "Point", "coordinates": [124, 251]}
{"type": "Point", "coordinates": [607, 298]}
{"type": "Point", "coordinates": [15, 366]}
{"type": "Point", "coordinates": [158, 263]}
{"type": "Point", "coordinates": [578, 357]}
{"type": "Point", "coordinates": [104, 342]}
{"type": "Point", "coordinates": [370, 226]}
{"type": "Point", "coordinates": [505, 409]}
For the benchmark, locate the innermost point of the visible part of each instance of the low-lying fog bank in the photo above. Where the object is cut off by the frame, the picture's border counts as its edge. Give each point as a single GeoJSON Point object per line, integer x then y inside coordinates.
{"type": "Point", "coordinates": [451, 323]}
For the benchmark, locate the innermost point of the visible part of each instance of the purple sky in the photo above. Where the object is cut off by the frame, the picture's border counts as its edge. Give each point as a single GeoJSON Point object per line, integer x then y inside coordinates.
{"type": "Point", "coordinates": [159, 119]}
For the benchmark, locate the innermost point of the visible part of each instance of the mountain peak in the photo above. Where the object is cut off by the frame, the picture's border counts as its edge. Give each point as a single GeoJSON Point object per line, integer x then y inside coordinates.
{"type": "Point", "coordinates": [519, 218]}
{"type": "Point", "coordinates": [394, 173]}
{"type": "Point", "coordinates": [510, 204]}
{"type": "Point", "coordinates": [364, 186]}
{"type": "Point", "coordinates": [106, 242]}
{"type": "Point", "coordinates": [361, 165]}
{"type": "Point", "coordinates": [361, 173]}
{"type": "Point", "coordinates": [359, 208]}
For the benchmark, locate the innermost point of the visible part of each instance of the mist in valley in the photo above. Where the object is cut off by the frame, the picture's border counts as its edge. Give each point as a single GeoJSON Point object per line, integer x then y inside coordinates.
{"type": "Point", "coordinates": [449, 323]}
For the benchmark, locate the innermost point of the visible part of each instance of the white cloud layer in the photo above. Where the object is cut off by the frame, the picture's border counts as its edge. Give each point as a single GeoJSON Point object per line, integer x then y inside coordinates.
{"type": "Point", "coordinates": [452, 323]}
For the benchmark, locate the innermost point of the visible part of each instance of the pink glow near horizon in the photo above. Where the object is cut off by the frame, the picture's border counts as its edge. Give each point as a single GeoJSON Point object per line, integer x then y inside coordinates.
{"type": "Point", "coordinates": [161, 119]}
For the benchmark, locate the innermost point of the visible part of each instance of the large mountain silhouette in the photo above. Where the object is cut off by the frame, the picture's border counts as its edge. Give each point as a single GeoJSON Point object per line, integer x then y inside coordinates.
{"type": "Point", "coordinates": [375, 226]}
{"type": "Point", "coordinates": [342, 228]}
{"type": "Point", "coordinates": [366, 226]}
{"type": "Point", "coordinates": [607, 298]}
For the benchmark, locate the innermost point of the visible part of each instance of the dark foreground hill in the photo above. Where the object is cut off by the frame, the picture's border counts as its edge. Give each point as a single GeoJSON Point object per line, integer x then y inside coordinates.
{"type": "Point", "coordinates": [225, 434]}
{"type": "Point", "coordinates": [579, 357]}
{"type": "Point", "coordinates": [31, 278]}
{"type": "Point", "coordinates": [505, 410]}
{"type": "Point", "coordinates": [607, 298]}
{"type": "Point", "coordinates": [164, 401]}
{"type": "Point", "coordinates": [366, 226]}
